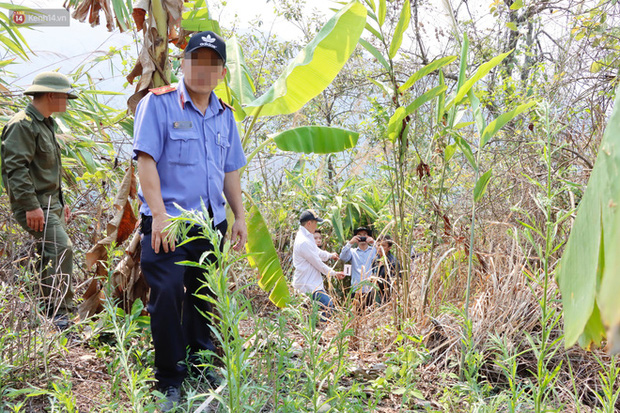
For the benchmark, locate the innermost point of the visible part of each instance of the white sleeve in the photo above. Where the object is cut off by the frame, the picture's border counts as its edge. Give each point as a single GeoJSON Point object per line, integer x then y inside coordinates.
{"type": "Point", "coordinates": [314, 259]}
{"type": "Point", "coordinates": [324, 255]}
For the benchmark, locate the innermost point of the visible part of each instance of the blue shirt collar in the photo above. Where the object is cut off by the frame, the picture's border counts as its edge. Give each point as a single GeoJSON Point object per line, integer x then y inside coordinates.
{"type": "Point", "coordinates": [214, 103]}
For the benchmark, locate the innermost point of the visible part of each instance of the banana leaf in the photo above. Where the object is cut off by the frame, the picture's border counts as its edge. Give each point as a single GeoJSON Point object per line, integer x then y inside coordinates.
{"type": "Point", "coordinates": [316, 66]}
{"type": "Point", "coordinates": [263, 256]}
{"type": "Point", "coordinates": [240, 78]}
{"type": "Point", "coordinates": [589, 271]}
{"type": "Point", "coordinates": [316, 139]}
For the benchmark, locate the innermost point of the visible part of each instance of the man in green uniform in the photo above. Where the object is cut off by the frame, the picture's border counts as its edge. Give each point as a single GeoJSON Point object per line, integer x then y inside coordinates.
{"type": "Point", "coordinates": [31, 172]}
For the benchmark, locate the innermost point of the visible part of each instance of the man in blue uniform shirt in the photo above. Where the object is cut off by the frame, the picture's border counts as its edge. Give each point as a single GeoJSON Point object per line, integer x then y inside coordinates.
{"type": "Point", "coordinates": [188, 151]}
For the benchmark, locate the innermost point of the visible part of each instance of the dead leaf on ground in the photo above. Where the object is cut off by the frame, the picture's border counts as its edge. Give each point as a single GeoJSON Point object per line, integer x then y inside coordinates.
{"type": "Point", "coordinates": [93, 299]}
{"type": "Point", "coordinates": [128, 278]}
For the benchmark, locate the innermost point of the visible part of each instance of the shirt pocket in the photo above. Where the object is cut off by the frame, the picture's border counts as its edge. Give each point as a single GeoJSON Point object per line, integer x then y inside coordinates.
{"type": "Point", "coordinates": [183, 147]}
{"type": "Point", "coordinates": [46, 151]}
{"type": "Point", "coordinates": [221, 145]}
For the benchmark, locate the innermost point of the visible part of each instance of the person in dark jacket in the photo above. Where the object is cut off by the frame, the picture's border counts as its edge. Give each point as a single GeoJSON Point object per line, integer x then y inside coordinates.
{"type": "Point", "coordinates": [385, 268]}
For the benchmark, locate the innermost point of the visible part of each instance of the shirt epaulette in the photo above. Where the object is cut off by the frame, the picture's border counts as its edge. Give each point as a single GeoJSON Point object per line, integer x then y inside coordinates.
{"type": "Point", "coordinates": [226, 105]}
{"type": "Point", "coordinates": [163, 90]}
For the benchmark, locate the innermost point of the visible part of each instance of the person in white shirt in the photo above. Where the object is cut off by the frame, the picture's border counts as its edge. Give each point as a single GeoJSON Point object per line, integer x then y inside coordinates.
{"type": "Point", "coordinates": [308, 263]}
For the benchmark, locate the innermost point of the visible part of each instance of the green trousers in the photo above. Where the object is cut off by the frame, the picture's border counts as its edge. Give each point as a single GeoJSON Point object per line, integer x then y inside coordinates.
{"type": "Point", "coordinates": [56, 261]}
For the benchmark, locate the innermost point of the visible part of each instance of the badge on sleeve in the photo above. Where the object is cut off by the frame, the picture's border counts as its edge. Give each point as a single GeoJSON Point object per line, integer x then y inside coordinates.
{"type": "Point", "coordinates": [182, 124]}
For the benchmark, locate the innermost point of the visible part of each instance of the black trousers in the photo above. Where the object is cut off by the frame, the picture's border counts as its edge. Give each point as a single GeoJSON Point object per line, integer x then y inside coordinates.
{"type": "Point", "coordinates": [177, 324]}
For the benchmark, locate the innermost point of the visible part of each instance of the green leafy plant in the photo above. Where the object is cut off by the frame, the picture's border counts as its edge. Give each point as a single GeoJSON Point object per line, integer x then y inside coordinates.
{"type": "Point", "coordinates": [398, 129]}
{"type": "Point", "coordinates": [314, 67]}
{"type": "Point", "coordinates": [544, 240]}
{"type": "Point", "coordinates": [230, 309]}
{"type": "Point", "coordinates": [506, 360]}
{"type": "Point", "coordinates": [400, 375]}
{"type": "Point", "coordinates": [486, 133]}
{"type": "Point", "coordinates": [128, 369]}
{"type": "Point", "coordinates": [610, 371]}
{"type": "Point", "coordinates": [588, 273]}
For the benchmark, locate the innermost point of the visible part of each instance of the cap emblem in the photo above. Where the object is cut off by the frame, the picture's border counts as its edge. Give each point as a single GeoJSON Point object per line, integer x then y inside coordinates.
{"type": "Point", "coordinates": [208, 41]}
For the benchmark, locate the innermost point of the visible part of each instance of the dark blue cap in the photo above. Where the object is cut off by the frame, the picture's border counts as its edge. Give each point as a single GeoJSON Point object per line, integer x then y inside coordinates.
{"type": "Point", "coordinates": [209, 40]}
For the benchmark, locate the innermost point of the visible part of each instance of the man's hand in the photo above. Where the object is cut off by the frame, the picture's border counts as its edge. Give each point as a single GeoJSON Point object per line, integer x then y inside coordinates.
{"type": "Point", "coordinates": [151, 188]}
{"type": "Point", "coordinates": [335, 256]}
{"type": "Point", "coordinates": [370, 240]}
{"type": "Point", "coordinates": [339, 274]}
{"type": "Point", "coordinates": [67, 214]}
{"type": "Point", "coordinates": [239, 234]}
{"type": "Point", "coordinates": [35, 219]}
{"type": "Point", "coordinates": [159, 235]}
{"type": "Point", "coordinates": [354, 240]}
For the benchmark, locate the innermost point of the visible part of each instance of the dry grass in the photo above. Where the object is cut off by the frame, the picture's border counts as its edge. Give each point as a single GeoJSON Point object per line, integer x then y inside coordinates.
{"type": "Point", "coordinates": [505, 303]}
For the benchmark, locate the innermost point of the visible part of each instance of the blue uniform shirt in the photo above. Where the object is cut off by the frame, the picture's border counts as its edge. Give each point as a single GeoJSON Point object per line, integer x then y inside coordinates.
{"type": "Point", "coordinates": [192, 151]}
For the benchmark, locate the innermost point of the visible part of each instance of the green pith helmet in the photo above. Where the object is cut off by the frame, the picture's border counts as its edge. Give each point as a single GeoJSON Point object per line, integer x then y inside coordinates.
{"type": "Point", "coordinates": [53, 82]}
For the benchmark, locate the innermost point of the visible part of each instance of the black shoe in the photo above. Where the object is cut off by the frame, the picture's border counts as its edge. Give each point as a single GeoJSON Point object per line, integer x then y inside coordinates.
{"type": "Point", "coordinates": [172, 398]}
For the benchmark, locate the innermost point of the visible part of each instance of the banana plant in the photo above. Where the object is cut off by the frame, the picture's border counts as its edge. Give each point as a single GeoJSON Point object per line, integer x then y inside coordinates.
{"type": "Point", "coordinates": [307, 75]}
